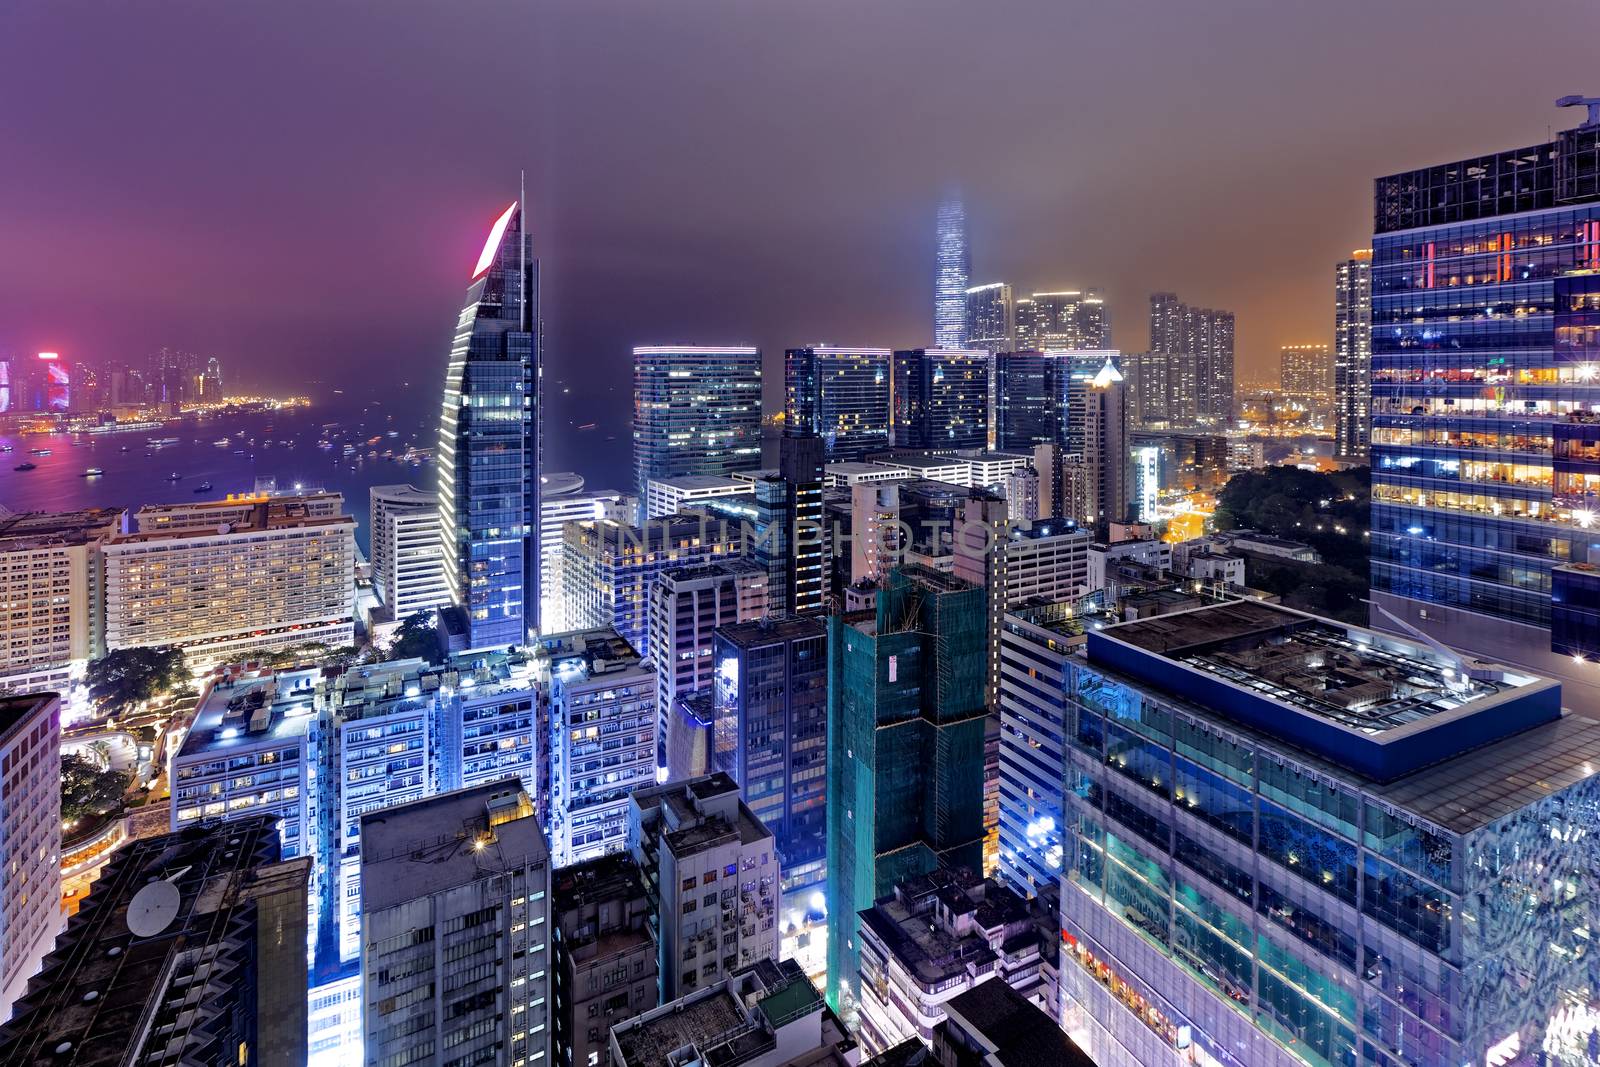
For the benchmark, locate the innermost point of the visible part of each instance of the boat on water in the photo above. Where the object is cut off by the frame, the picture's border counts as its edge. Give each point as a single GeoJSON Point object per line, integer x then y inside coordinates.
{"type": "Point", "coordinates": [203, 487]}
{"type": "Point", "coordinates": [38, 451]}
{"type": "Point", "coordinates": [5, 448]}
{"type": "Point", "coordinates": [124, 448]}
{"type": "Point", "coordinates": [161, 442]}
{"type": "Point", "coordinates": [174, 477]}
{"type": "Point", "coordinates": [92, 472]}
{"type": "Point", "coordinates": [222, 442]}
{"type": "Point", "coordinates": [24, 466]}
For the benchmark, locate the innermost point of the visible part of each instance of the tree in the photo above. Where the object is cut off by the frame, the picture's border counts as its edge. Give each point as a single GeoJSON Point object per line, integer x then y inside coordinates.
{"type": "Point", "coordinates": [87, 791]}
{"type": "Point", "coordinates": [417, 636]}
{"type": "Point", "coordinates": [135, 675]}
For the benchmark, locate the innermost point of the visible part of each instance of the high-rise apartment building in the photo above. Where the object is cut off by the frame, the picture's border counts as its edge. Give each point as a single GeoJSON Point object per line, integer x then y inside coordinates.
{"type": "Point", "coordinates": [841, 395]}
{"type": "Point", "coordinates": [602, 741]}
{"type": "Point", "coordinates": [455, 938]}
{"type": "Point", "coordinates": [1196, 346]}
{"type": "Point", "coordinates": [563, 500]}
{"type": "Point", "coordinates": [51, 598]}
{"type": "Point", "coordinates": [604, 966]}
{"type": "Point", "coordinates": [1305, 375]}
{"type": "Point", "coordinates": [273, 576]}
{"type": "Point", "coordinates": [696, 410]}
{"type": "Point", "coordinates": [952, 272]}
{"type": "Point", "coordinates": [1070, 318]}
{"type": "Point", "coordinates": [939, 398]}
{"type": "Point", "coordinates": [190, 949]}
{"type": "Point", "coordinates": [489, 455]}
{"type": "Point", "coordinates": [991, 318]}
{"type": "Point", "coordinates": [1485, 475]}
{"type": "Point", "coordinates": [712, 874]}
{"type": "Point", "coordinates": [1105, 448]}
{"type": "Point", "coordinates": [610, 567]}
{"type": "Point", "coordinates": [1275, 863]}
{"type": "Point", "coordinates": [1352, 356]}
{"type": "Point", "coordinates": [687, 604]}
{"type": "Point", "coordinates": [770, 734]}
{"type": "Point", "coordinates": [407, 568]}
{"type": "Point", "coordinates": [30, 838]}
{"type": "Point", "coordinates": [905, 749]}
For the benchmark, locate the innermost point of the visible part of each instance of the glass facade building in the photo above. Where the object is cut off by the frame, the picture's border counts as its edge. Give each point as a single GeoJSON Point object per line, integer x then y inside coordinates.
{"type": "Point", "coordinates": [695, 411]}
{"type": "Point", "coordinates": [906, 720]}
{"type": "Point", "coordinates": [770, 734]}
{"type": "Point", "coordinates": [1071, 318]}
{"type": "Point", "coordinates": [1352, 356]}
{"type": "Point", "coordinates": [489, 444]}
{"type": "Point", "coordinates": [1485, 349]}
{"type": "Point", "coordinates": [841, 395]}
{"type": "Point", "coordinates": [952, 269]}
{"type": "Point", "coordinates": [991, 318]}
{"type": "Point", "coordinates": [939, 398]}
{"type": "Point", "coordinates": [1027, 399]}
{"type": "Point", "coordinates": [1263, 870]}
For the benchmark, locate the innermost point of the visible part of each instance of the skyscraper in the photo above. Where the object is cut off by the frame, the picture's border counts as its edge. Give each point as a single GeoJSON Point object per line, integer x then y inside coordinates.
{"type": "Point", "coordinates": [1196, 344]}
{"type": "Point", "coordinates": [991, 318]}
{"type": "Point", "coordinates": [954, 266]}
{"type": "Point", "coordinates": [407, 573]}
{"type": "Point", "coordinates": [1352, 356]}
{"type": "Point", "coordinates": [489, 445]}
{"type": "Point", "coordinates": [906, 717]}
{"type": "Point", "coordinates": [1025, 412]}
{"type": "Point", "coordinates": [1484, 388]}
{"type": "Point", "coordinates": [696, 410]}
{"type": "Point", "coordinates": [1105, 446]}
{"type": "Point", "coordinates": [940, 398]}
{"type": "Point", "coordinates": [1305, 375]}
{"type": "Point", "coordinates": [30, 838]}
{"type": "Point", "coordinates": [841, 395]}
{"type": "Point", "coordinates": [1070, 318]}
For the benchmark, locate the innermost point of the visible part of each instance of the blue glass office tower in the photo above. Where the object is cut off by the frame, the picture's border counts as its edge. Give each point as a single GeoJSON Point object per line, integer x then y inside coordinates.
{"type": "Point", "coordinates": [489, 446]}
{"type": "Point", "coordinates": [1485, 349]}
{"type": "Point", "coordinates": [939, 398]}
{"type": "Point", "coordinates": [696, 410]}
{"type": "Point", "coordinates": [1027, 396]}
{"type": "Point", "coordinates": [950, 281]}
{"type": "Point", "coordinates": [770, 734]}
{"type": "Point", "coordinates": [841, 395]}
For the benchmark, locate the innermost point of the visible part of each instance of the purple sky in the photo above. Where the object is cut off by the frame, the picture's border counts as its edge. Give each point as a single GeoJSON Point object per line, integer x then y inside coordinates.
{"type": "Point", "coordinates": [301, 187]}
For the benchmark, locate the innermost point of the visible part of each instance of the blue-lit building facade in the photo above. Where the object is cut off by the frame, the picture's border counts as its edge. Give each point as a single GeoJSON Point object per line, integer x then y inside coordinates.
{"type": "Point", "coordinates": [1026, 411]}
{"type": "Point", "coordinates": [841, 395]}
{"type": "Point", "coordinates": [770, 734]}
{"type": "Point", "coordinates": [939, 398]}
{"type": "Point", "coordinates": [1485, 376]}
{"type": "Point", "coordinates": [696, 410]}
{"type": "Point", "coordinates": [1289, 841]}
{"type": "Point", "coordinates": [488, 458]}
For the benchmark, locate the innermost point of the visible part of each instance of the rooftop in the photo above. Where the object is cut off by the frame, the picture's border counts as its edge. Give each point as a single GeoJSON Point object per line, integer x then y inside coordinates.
{"type": "Point", "coordinates": [1010, 1029]}
{"type": "Point", "coordinates": [48, 529]}
{"type": "Point", "coordinates": [428, 846]}
{"type": "Point", "coordinates": [577, 656]}
{"type": "Point", "coordinates": [705, 482]}
{"type": "Point", "coordinates": [912, 924]}
{"type": "Point", "coordinates": [1373, 703]}
{"type": "Point", "coordinates": [16, 710]}
{"type": "Point", "coordinates": [404, 494]}
{"type": "Point", "coordinates": [244, 709]}
{"type": "Point", "coordinates": [770, 630]}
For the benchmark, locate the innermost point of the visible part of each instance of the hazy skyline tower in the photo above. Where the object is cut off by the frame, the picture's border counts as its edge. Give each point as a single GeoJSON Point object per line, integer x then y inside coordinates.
{"type": "Point", "coordinates": [991, 322]}
{"type": "Point", "coordinates": [950, 281]}
{"type": "Point", "coordinates": [488, 459]}
{"type": "Point", "coordinates": [1352, 356]}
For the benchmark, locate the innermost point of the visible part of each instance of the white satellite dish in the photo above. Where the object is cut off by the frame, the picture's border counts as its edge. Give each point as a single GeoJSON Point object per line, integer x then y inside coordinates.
{"type": "Point", "coordinates": [153, 908]}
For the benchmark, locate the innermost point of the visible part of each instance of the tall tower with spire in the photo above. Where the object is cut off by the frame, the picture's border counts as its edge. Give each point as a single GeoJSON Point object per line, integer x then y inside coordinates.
{"type": "Point", "coordinates": [489, 456]}
{"type": "Point", "coordinates": [950, 280]}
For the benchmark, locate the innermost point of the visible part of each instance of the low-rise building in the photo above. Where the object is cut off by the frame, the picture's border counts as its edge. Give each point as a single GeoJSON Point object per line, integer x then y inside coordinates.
{"type": "Point", "coordinates": [992, 1025]}
{"type": "Point", "coordinates": [711, 869]}
{"type": "Point", "coordinates": [1268, 545]}
{"type": "Point", "coordinates": [604, 963]}
{"type": "Point", "coordinates": [766, 1014]}
{"type": "Point", "coordinates": [935, 936]}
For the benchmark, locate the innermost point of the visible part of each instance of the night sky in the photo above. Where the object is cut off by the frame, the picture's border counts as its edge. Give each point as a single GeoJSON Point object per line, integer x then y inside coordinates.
{"type": "Point", "coordinates": [301, 187]}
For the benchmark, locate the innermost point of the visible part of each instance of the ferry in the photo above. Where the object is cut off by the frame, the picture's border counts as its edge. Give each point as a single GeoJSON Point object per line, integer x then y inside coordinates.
{"type": "Point", "coordinates": [5, 448]}
{"type": "Point", "coordinates": [222, 442]}
{"type": "Point", "coordinates": [24, 466]}
{"type": "Point", "coordinates": [174, 477]}
{"type": "Point", "coordinates": [161, 442]}
{"type": "Point", "coordinates": [92, 472]}
{"type": "Point", "coordinates": [38, 451]}
{"type": "Point", "coordinates": [203, 487]}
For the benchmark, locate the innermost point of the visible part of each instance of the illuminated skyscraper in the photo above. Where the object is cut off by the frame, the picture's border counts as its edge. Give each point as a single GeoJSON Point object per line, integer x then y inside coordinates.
{"type": "Point", "coordinates": [1305, 375]}
{"type": "Point", "coordinates": [991, 322]}
{"type": "Point", "coordinates": [1352, 356]}
{"type": "Point", "coordinates": [1196, 344]}
{"type": "Point", "coordinates": [940, 398]}
{"type": "Point", "coordinates": [696, 410]}
{"type": "Point", "coordinates": [1485, 390]}
{"type": "Point", "coordinates": [950, 282]}
{"type": "Point", "coordinates": [841, 395]}
{"type": "Point", "coordinates": [1071, 318]}
{"type": "Point", "coordinates": [489, 446]}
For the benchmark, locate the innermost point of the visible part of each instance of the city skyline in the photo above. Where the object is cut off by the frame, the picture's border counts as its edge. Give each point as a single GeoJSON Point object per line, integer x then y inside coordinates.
{"type": "Point", "coordinates": [1038, 221]}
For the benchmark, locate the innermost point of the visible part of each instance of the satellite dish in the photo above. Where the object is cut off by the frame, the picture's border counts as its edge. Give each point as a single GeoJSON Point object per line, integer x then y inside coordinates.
{"type": "Point", "coordinates": [153, 908]}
